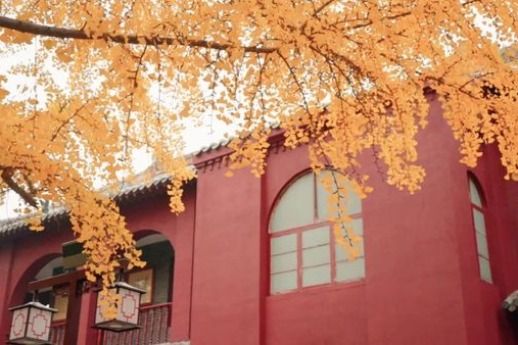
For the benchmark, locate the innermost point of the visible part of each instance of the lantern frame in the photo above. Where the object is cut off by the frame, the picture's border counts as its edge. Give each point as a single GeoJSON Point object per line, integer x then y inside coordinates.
{"type": "Point", "coordinates": [128, 310]}
{"type": "Point", "coordinates": [29, 312]}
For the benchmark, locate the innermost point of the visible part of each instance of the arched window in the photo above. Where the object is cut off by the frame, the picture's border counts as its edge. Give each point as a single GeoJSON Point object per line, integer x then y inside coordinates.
{"type": "Point", "coordinates": [479, 225]}
{"type": "Point", "coordinates": [303, 251]}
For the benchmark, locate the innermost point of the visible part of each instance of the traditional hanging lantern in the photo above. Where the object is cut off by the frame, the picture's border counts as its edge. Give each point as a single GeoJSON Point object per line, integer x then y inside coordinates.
{"type": "Point", "coordinates": [31, 323]}
{"type": "Point", "coordinates": [127, 312]}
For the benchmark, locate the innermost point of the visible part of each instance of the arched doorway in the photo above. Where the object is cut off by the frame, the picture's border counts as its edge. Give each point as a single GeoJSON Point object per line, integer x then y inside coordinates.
{"type": "Point", "coordinates": [156, 305]}
{"type": "Point", "coordinates": [54, 296]}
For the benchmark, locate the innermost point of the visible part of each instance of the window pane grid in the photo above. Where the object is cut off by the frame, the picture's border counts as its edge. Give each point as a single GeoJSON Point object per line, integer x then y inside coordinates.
{"type": "Point", "coordinates": [480, 230]}
{"type": "Point", "coordinates": [332, 266]}
{"type": "Point", "coordinates": [283, 281]}
{"type": "Point", "coordinates": [299, 229]}
{"type": "Point", "coordinates": [319, 265]}
{"type": "Point", "coordinates": [485, 269]}
{"type": "Point", "coordinates": [283, 262]}
{"type": "Point", "coordinates": [482, 245]}
{"type": "Point", "coordinates": [314, 260]}
{"type": "Point", "coordinates": [296, 206]}
{"type": "Point", "coordinates": [283, 244]}
{"type": "Point", "coordinates": [318, 255]}
{"type": "Point", "coordinates": [361, 256]}
{"type": "Point", "coordinates": [474, 193]}
{"type": "Point", "coordinates": [479, 221]}
{"type": "Point", "coordinates": [316, 237]}
{"type": "Point", "coordinates": [350, 270]}
{"type": "Point", "coordinates": [316, 275]}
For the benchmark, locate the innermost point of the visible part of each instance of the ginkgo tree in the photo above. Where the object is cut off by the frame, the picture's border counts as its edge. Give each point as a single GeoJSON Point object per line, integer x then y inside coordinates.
{"type": "Point", "coordinates": [339, 76]}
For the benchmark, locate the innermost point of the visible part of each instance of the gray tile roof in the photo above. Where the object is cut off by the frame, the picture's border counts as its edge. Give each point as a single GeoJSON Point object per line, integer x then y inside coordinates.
{"type": "Point", "coordinates": [127, 195]}
{"type": "Point", "coordinates": [214, 146]}
{"type": "Point", "coordinates": [224, 142]}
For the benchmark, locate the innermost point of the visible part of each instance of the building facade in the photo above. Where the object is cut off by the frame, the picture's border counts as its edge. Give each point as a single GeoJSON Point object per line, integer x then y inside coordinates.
{"type": "Point", "coordinates": [252, 261]}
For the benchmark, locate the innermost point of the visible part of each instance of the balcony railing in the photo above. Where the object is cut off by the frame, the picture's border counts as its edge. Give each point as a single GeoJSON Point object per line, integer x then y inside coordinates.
{"type": "Point", "coordinates": [155, 328]}
{"type": "Point", "coordinates": [57, 333]}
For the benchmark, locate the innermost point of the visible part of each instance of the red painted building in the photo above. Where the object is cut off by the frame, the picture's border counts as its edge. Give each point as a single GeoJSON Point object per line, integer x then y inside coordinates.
{"type": "Point", "coordinates": [252, 261]}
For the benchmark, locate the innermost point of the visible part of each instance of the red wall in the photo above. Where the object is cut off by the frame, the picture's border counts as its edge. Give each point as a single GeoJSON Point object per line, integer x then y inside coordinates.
{"type": "Point", "coordinates": [422, 283]}
{"type": "Point", "coordinates": [226, 283]}
{"type": "Point", "coordinates": [155, 216]}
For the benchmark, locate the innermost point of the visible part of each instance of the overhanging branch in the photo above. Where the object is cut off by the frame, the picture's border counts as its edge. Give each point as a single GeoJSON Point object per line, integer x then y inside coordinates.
{"type": "Point", "coordinates": [64, 33]}
{"type": "Point", "coordinates": [7, 176]}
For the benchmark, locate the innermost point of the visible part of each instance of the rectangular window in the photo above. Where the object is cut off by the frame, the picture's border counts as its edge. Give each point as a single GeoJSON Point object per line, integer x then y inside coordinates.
{"type": "Point", "coordinates": [310, 257]}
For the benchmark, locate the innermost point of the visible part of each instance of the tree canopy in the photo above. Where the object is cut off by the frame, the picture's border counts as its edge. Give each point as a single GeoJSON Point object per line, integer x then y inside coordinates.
{"type": "Point", "coordinates": [103, 79]}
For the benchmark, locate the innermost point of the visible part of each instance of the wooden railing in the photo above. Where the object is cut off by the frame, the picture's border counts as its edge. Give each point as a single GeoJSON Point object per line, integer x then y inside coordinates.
{"type": "Point", "coordinates": [155, 328]}
{"type": "Point", "coordinates": [57, 333]}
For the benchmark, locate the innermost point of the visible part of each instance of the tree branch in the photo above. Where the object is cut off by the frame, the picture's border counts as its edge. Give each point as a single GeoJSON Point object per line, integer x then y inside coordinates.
{"type": "Point", "coordinates": [66, 122]}
{"type": "Point", "coordinates": [64, 33]}
{"type": "Point", "coordinates": [7, 176]}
